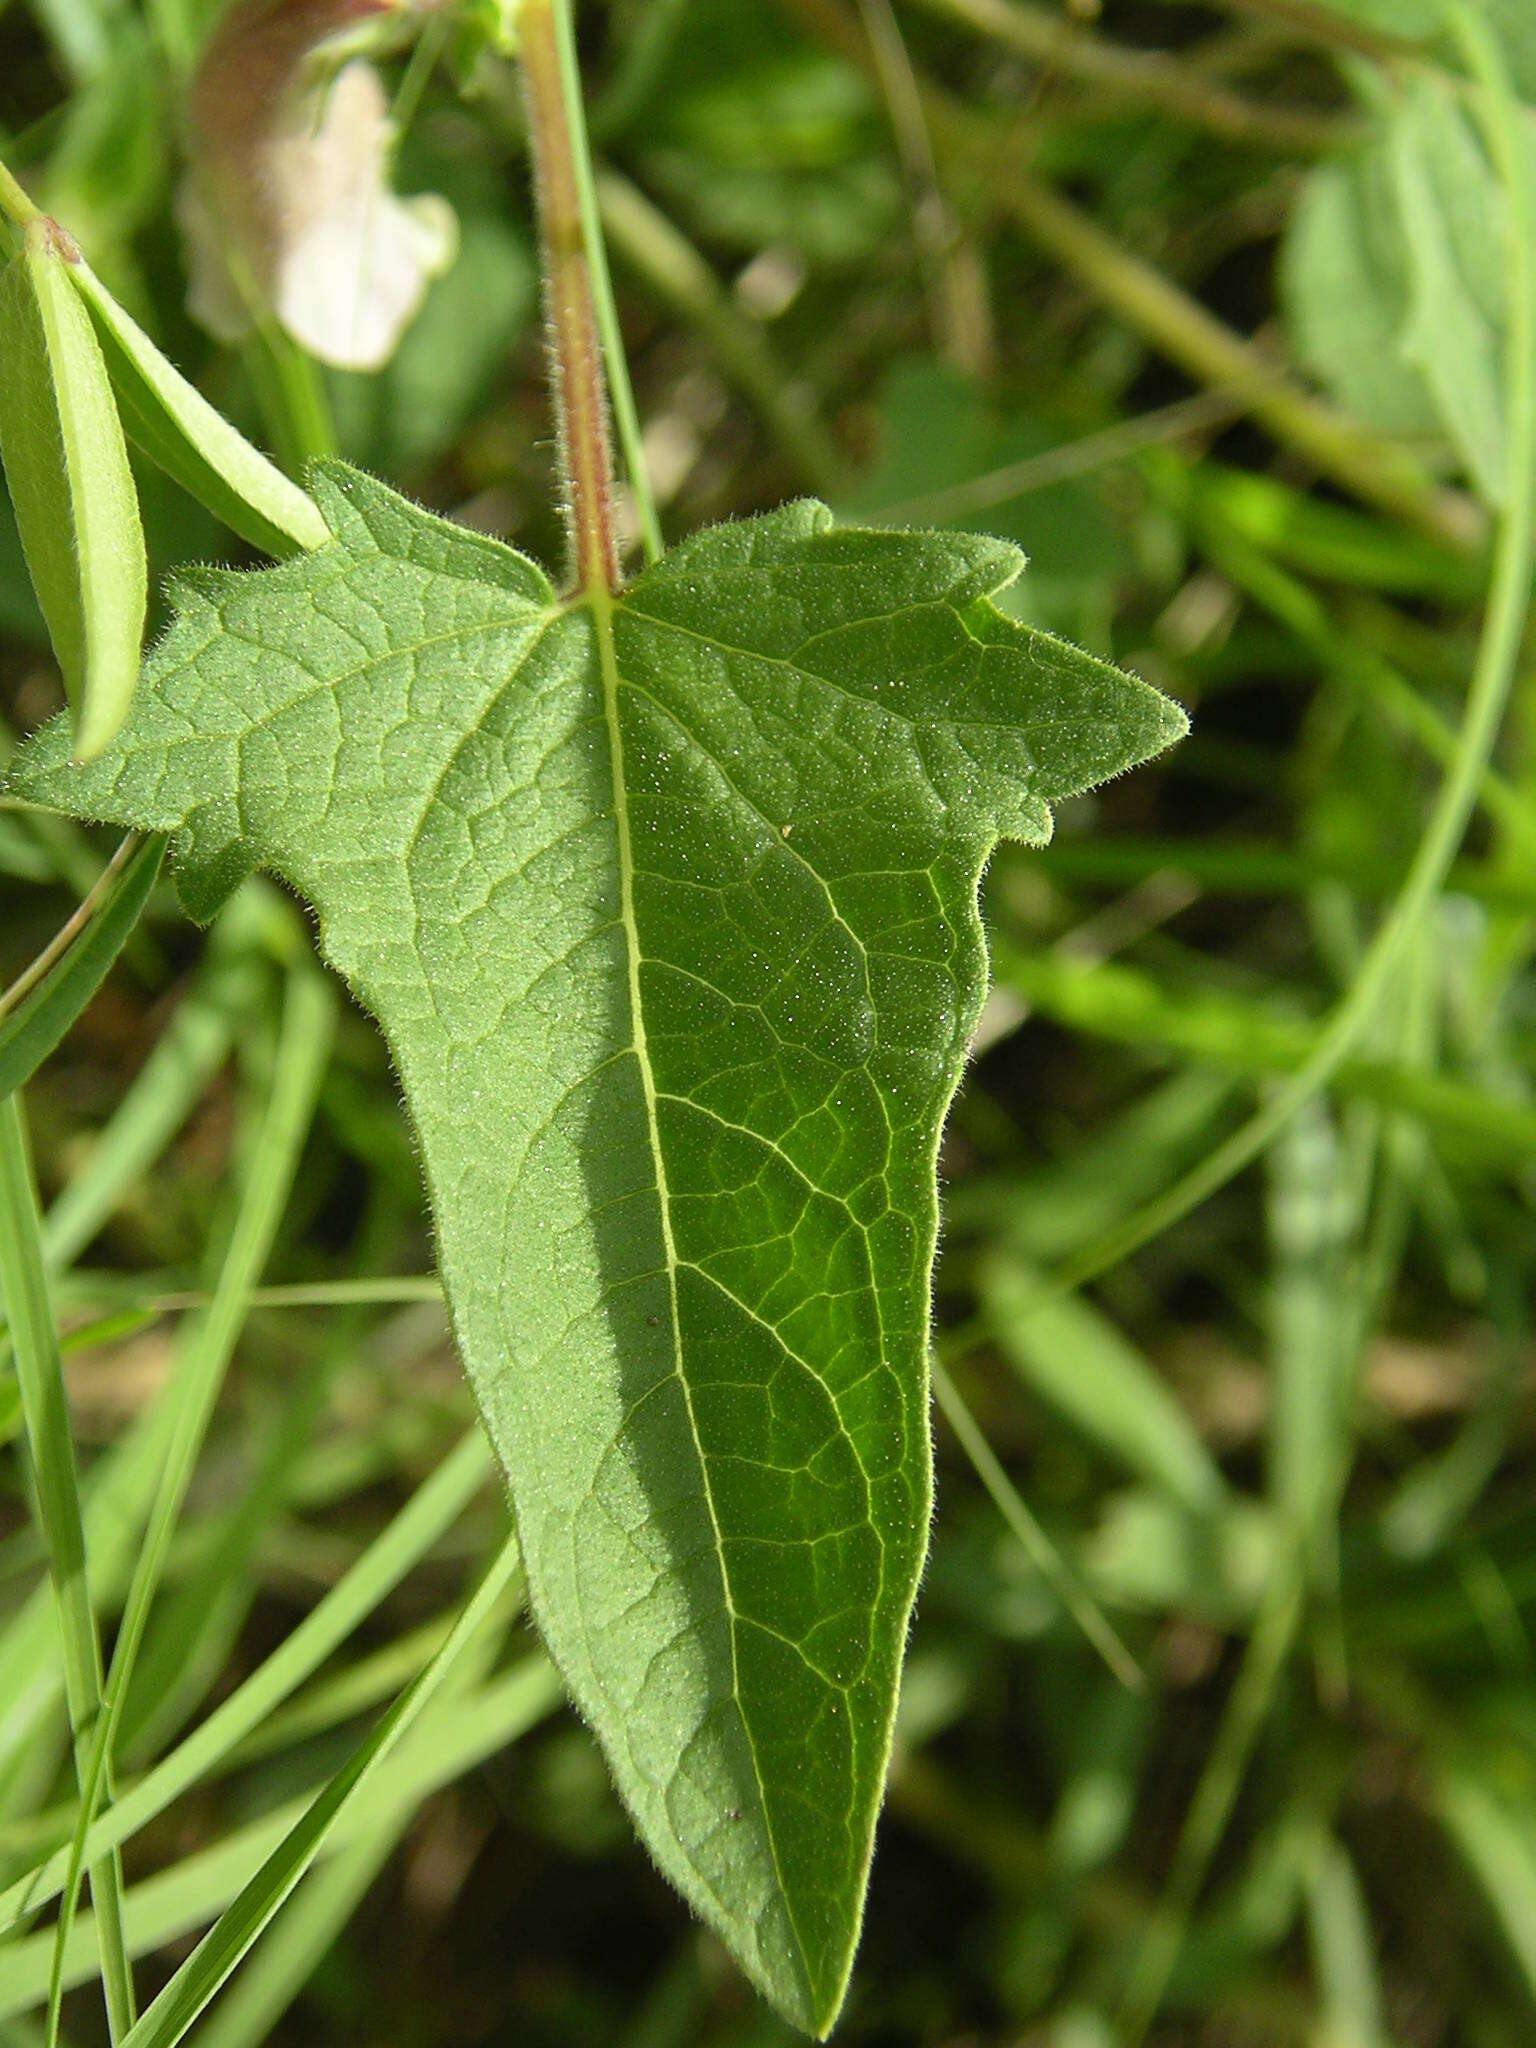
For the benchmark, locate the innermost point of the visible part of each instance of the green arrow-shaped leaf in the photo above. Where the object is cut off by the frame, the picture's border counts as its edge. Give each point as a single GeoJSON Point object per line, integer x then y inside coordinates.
{"type": "Point", "coordinates": [667, 905]}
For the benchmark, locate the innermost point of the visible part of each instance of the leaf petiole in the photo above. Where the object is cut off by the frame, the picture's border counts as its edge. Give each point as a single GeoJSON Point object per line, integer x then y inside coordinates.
{"type": "Point", "coordinates": [583, 321]}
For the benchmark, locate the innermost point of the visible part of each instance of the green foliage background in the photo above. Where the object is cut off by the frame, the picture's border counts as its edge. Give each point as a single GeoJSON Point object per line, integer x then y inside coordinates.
{"type": "Point", "coordinates": [1285, 1449]}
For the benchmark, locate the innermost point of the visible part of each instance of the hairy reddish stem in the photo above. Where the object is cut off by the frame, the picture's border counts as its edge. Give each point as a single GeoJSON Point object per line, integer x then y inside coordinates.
{"type": "Point", "coordinates": [576, 360]}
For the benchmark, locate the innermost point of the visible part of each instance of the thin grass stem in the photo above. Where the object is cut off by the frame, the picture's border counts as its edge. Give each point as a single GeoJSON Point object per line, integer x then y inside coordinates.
{"type": "Point", "coordinates": [1493, 679]}
{"type": "Point", "coordinates": [302, 1052]}
{"type": "Point", "coordinates": [40, 1375]}
{"type": "Point", "coordinates": [1037, 1546]}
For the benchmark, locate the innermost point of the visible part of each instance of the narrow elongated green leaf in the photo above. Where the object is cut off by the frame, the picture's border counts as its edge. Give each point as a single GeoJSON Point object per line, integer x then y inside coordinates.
{"type": "Point", "coordinates": [1493, 1833]}
{"type": "Point", "coordinates": [241, 1923]}
{"type": "Point", "coordinates": [1072, 1356]}
{"type": "Point", "coordinates": [37, 1024]}
{"type": "Point", "coordinates": [191, 1892]}
{"type": "Point", "coordinates": [178, 429]}
{"type": "Point", "coordinates": [66, 465]}
{"type": "Point", "coordinates": [667, 906]}
{"type": "Point", "coordinates": [1343, 1948]}
{"type": "Point", "coordinates": [256, 1704]}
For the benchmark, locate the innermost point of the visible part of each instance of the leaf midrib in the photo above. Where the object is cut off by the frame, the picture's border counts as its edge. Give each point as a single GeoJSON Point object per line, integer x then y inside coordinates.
{"type": "Point", "coordinates": [601, 604]}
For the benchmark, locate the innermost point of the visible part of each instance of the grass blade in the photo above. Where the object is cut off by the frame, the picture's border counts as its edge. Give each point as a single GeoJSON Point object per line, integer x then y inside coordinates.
{"type": "Point", "coordinates": [1343, 1950]}
{"type": "Point", "coordinates": [180, 431]}
{"type": "Point", "coordinates": [431, 1511]}
{"type": "Point", "coordinates": [1495, 1842]}
{"type": "Point", "coordinates": [1038, 1547]}
{"type": "Point", "coordinates": [241, 1924]}
{"type": "Point", "coordinates": [1493, 679]}
{"type": "Point", "coordinates": [161, 1096]}
{"type": "Point", "coordinates": [179, 1900]}
{"type": "Point", "coordinates": [303, 1049]}
{"type": "Point", "coordinates": [40, 1375]}
{"type": "Point", "coordinates": [70, 485]}
{"type": "Point", "coordinates": [45, 1012]}
{"type": "Point", "coordinates": [1072, 1357]}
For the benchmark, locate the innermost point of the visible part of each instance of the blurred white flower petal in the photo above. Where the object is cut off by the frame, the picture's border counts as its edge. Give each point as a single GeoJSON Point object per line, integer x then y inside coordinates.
{"type": "Point", "coordinates": [354, 262]}
{"type": "Point", "coordinates": [288, 207]}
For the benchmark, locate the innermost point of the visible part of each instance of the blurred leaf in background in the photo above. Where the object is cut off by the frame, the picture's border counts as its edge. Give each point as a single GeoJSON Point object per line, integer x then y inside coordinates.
{"type": "Point", "coordinates": [761, 139]}
{"type": "Point", "coordinates": [947, 456]}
